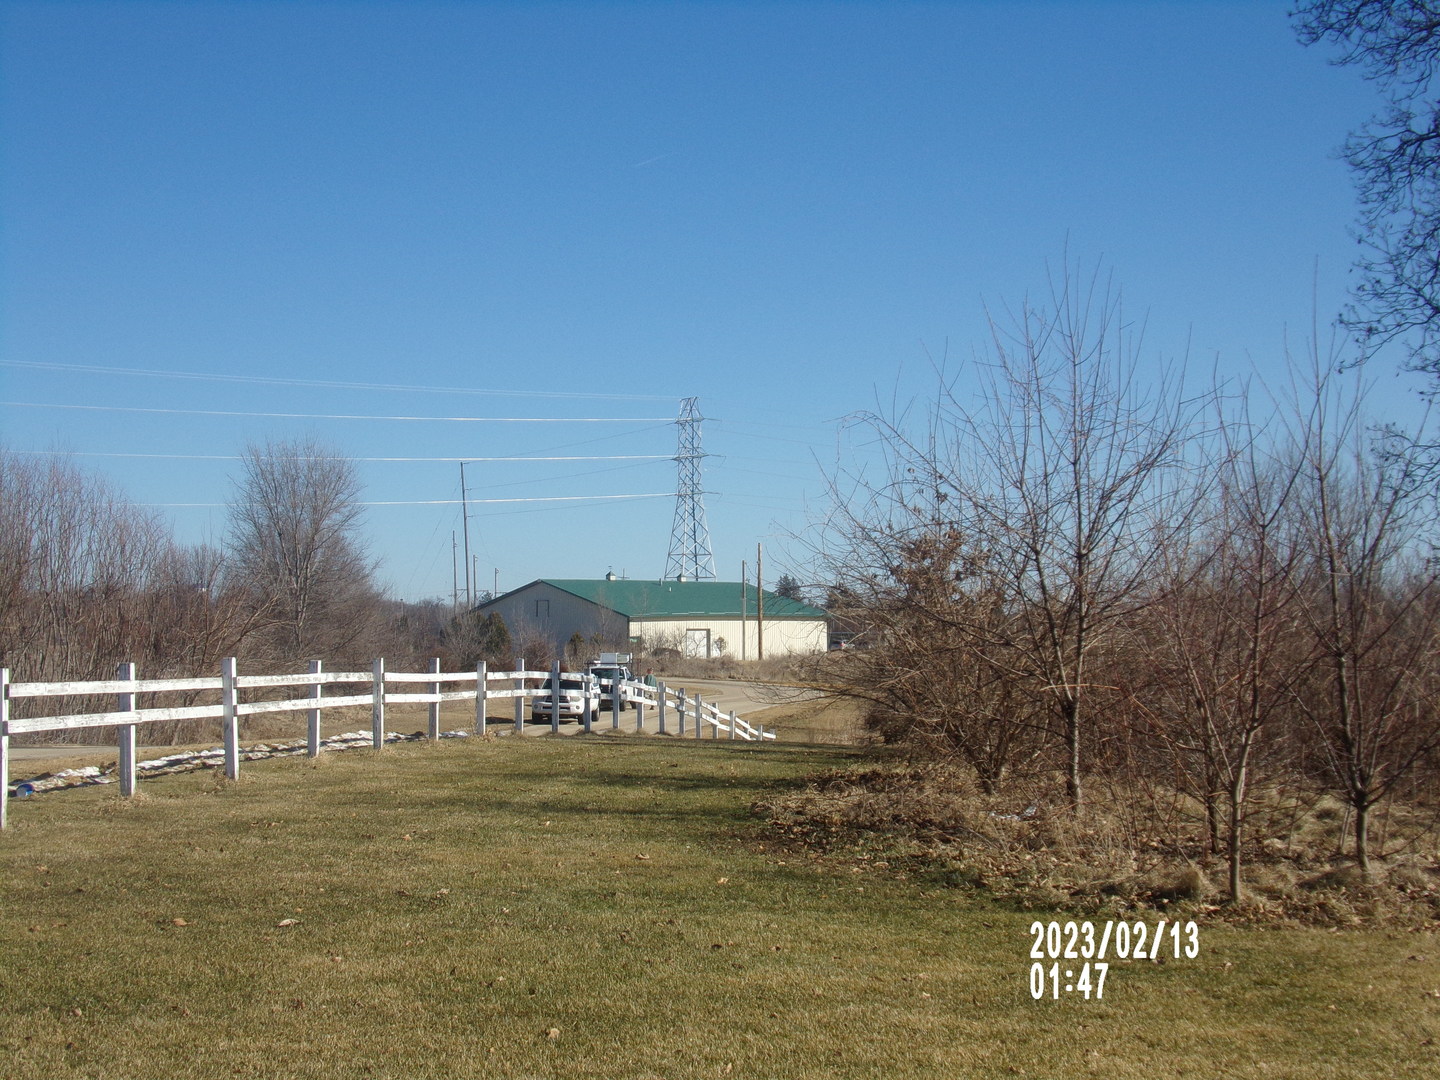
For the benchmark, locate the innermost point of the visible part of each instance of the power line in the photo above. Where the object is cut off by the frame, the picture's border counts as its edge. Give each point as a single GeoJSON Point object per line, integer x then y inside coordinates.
{"type": "Point", "coordinates": [559, 476]}
{"type": "Point", "coordinates": [344, 457]}
{"type": "Point", "coordinates": [326, 384]}
{"type": "Point", "coordinates": [349, 416]}
{"type": "Point", "coordinates": [457, 502]}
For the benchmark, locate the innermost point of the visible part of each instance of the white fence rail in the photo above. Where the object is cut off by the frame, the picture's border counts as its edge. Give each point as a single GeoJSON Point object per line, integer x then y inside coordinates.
{"type": "Point", "coordinates": [673, 709]}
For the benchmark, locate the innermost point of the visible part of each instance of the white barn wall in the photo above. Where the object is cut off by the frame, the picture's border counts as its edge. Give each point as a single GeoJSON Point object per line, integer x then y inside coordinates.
{"type": "Point", "coordinates": [782, 636]}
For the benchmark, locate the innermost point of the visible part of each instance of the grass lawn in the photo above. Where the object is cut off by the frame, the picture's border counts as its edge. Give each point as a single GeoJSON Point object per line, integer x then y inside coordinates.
{"type": "Point", "coordinates": [600, 907]}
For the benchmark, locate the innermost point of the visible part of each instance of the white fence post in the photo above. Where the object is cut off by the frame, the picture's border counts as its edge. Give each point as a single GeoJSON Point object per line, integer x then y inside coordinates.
{"type": "Point", "coordinates": [312, 715]}
{"type": "Point", "coordinates": [660, 705]}
{"type": "Point", "coordinates": [520, 702]}
{"type": "Point", "coordinates": [699, 713]}
{"type": "Point", "coordinates": [732, 723]}
{"type": "Point", "coordinates": [555, 698]}
{"type": "Point", "coordinates": [377, 704]}
{"type": "Point", "coordinates": [588, 696]}
{"type": "Point", "coordinates": [435, 705]}
{"type": "Point", "coordinates": [126, 703]}
{"type": "Point", "coordinates": [680, 708]}
{"type": "Point", "coordinates": [482, 692]}
{"type": "Point", "coordinates": [230, 718]}
{"type": "Point", "coordinates": [640, 712]}
{"type": "Point", "coordinates": [4, 745]}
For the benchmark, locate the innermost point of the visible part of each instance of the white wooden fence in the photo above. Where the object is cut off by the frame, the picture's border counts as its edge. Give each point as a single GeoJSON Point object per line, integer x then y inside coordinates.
{"type": "Point", "coordinates": [430, 689]}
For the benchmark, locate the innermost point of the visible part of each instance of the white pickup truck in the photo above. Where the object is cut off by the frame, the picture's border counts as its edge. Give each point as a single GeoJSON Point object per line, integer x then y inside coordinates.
{"type": "Point", "coordinates": [607, 669]}
{"type": "Point", "coordinates": [570, 700]}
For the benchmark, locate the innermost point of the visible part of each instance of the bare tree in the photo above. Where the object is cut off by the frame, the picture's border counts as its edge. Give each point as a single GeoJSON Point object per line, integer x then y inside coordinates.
{"type": "Point", "coordinates": [1228, 648]}
{"type": "Point", "coordinates": [297, 551]}
{"type": "Point", "coordinates": [1072, 473]}
{"type": "Point", "coordinates": [76, 565]}
{"type": "Point", "coordinates": [1372, 609]}
{"type": "Point", "coordinates": [196, 612]}
{"type": "Point", "coordinates": [88, 581]}
{"type": "Point", "coordinates": [1396, 161]}
{"type": "Point", "coordinates": [1060, 485]}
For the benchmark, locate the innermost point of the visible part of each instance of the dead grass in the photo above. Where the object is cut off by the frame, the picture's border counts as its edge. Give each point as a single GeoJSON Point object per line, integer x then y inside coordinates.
{"type": "Point", "coordinates": [931, 822]}
{"type": "Point", "coordinates": [782, 669]}
{"type": "Point", "coordinates": [830, 720]}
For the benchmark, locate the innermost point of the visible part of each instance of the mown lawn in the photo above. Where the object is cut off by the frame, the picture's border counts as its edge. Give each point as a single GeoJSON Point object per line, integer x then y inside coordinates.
{"type": "Point", "coordinates": [600, 907]}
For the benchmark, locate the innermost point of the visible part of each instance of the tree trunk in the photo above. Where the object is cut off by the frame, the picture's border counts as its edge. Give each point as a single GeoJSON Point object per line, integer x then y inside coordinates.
{"type": "Point", "coordinates": [1237, 823]}
{"type": "Point", "coordinates": [1362, 835]}
{"type": "Point", "coordinates": [1073, 784]}
{"type": "Point", "coordinates": [1213, 824]}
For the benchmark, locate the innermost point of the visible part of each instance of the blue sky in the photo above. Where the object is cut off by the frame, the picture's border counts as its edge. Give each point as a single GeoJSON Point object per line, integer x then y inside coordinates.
{"type": "Point", "coordinates": [583, 212]}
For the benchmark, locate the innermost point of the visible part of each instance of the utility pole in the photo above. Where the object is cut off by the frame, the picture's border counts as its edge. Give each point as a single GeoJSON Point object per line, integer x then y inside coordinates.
{"type": "Point", "coordinates": [465, 520]}
{"type": "Point", "coordinates": [454, 575]}
{"type": "Point", "coordinates": [744, 586]}
{"type": "Point", "coordinates": [759, 603]}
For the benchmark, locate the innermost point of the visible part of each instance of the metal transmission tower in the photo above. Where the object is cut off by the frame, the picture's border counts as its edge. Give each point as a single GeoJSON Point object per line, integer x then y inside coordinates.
{"type": "Point", "coordinates": [690, 538]}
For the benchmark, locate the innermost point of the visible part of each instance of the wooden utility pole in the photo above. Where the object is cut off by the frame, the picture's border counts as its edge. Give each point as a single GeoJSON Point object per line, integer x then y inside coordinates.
{"type": "Point", "coordinates": [465, 520]}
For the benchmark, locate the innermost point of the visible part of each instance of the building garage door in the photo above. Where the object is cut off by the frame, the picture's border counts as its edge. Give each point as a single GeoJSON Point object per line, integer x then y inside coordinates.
{"type": "Point", "coordinates": [697, 643]}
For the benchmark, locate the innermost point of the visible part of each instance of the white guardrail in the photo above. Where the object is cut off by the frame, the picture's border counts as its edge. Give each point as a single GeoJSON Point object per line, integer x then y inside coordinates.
{"type": "Point", "coordinates": [230, 685]}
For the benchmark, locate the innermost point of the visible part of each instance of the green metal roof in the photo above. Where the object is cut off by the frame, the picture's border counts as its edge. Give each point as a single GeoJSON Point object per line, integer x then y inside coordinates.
{"type": "Point", "coordinates": [638, 599]}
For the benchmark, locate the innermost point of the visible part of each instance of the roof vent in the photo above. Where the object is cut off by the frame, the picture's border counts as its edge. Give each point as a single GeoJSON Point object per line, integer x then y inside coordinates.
{"type": "Point", "coordinates": [681, 577]}
{"type": "Point", "coordinates": [610, 575]}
